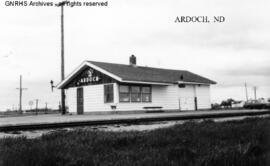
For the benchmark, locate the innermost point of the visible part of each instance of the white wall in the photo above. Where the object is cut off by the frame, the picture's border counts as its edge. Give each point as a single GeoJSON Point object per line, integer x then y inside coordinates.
{"type": "Point", "coordinates": [165, 96]}
{"type": "Point", "coordinates": [71, 99]}
{"type": "Point", "coordinates": [94, 99]}
{"type": "Point", "coordinates": [203, 97]}
{"type": "Point", "coordinates": [186, 96]}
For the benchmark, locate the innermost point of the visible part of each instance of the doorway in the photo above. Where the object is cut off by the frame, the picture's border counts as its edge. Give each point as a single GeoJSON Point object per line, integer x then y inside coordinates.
{"type": "Point", "coordinates": [186, 98]}
{"type": "Point", "coordinates": [79, 101]}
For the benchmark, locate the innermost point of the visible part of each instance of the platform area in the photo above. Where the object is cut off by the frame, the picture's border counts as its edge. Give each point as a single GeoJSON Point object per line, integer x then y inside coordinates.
{"type": "Point", "coordinates": [58, 120]}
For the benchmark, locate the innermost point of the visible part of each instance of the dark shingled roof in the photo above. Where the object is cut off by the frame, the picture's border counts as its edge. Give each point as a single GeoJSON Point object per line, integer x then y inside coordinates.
{"type": "Point", "coordinates": [149, 74]}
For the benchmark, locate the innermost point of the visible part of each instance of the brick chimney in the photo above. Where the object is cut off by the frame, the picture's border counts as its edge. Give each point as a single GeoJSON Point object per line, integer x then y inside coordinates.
{"type": "Point", "coordinates": [132, 60]}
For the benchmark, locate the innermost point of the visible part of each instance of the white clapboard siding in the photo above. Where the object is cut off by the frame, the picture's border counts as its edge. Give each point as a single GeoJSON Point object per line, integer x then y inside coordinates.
{"type": "Point", "coordinates": [203, 97]}
{"type": "Point", "coordinates": [186, 96]}
{"type": "Point", "coordinates": [168, 97]}
{"type": "Point", "coordinates": [94, 99]}
{"type": "Point", "coordinates": [71, 99]}
{"type": "Point", "coordinates": [165, 96]}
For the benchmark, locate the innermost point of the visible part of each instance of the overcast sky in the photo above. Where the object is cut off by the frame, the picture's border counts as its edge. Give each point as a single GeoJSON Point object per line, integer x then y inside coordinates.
{"type": "Point", "coordinates": [230, 53]}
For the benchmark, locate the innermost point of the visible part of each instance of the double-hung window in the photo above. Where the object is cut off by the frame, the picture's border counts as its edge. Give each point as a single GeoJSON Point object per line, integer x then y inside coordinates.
{"type": "Point", "coordinates": [124, 93]}
{"type": "Point", "coordinates": [146, 94]}
{"type": "Point", "coordinates": [135, 94]}
{"type": "Point", "coordinates": [108, 93]}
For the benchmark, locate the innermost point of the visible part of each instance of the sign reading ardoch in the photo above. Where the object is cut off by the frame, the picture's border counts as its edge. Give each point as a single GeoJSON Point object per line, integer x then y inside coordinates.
{"type": "Point", "coordinates": [89, 78]}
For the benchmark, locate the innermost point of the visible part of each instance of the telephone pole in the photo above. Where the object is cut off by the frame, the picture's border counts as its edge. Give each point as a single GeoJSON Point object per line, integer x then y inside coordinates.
{"type": "Point", "coordinates": [20, 94]}
{"type": "Point", "coordinates": [255, 92]}
{"type": "Point", "coordinates": [36, 106]}
{"type": "Point", "coordinates": [46, 107]}
{"type": "Point", "coordinates": [246, 91]}
{"type": "Point", "coordinates": [63, 105]}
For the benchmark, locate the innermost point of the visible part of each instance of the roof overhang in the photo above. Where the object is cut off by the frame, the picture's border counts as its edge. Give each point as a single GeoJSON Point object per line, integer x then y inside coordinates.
{"type": "Point", "coordinates": [192, 83]}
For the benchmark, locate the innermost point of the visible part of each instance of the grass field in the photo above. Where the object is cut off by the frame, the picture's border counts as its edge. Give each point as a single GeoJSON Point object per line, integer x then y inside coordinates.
{"type": "Point", "coordinates": [235, 143]}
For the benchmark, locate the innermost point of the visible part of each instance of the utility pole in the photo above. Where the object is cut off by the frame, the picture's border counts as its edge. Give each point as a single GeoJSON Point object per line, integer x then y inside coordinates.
{"type": "Point", "coordinates": [20, 94]}
{"type": "Point", "coordinates": [246, 91]}
{"type": "Point", "coordinates": [36, 106]}
{"type": "Point", "coordinates": [63, 105]}
{"type": "Point", "coordinates": [255, 92]}
{"type": "Point", "coordinates": [46, 107]}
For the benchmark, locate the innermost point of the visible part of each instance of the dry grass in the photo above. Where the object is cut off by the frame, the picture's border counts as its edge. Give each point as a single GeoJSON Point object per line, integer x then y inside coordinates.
{"type": "Point", "coordinates": [239, 143]}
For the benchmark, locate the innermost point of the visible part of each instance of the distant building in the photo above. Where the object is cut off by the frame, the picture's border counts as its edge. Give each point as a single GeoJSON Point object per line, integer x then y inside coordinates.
{"type": "Point", "coordinates": [99, 86]}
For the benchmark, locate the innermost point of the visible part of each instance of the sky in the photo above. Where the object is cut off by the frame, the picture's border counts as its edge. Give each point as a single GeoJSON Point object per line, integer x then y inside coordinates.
{"type": "Point", "coordinates": [230, 53]}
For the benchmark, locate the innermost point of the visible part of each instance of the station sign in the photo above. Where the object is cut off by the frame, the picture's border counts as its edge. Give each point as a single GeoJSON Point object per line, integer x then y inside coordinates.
{"type": "Point", "coordinates": [88, 77]}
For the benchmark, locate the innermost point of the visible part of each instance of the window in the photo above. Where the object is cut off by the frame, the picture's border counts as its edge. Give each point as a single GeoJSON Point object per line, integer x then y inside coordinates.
{"type": "Point", "coordinates": [124, 95]}
{"type": "Point", "coordinates": [135, 94]}
{"type": "Point", "coordinates": [108, 93]}
{"type": "Point", "coordinates": [146, 94]}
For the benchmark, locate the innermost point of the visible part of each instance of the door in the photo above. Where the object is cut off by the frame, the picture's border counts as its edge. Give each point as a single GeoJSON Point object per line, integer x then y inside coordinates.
{"type": "Point", "coordinates": [186, 98]}
{"type": "Point", "coordinates": [79, 100]}
{"type": "Point", "coordinates": [186, 103]}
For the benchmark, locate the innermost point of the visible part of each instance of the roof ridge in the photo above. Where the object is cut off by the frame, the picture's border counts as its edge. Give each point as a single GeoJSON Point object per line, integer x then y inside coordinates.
{"type": "Point", "coordinates": [139, 66]}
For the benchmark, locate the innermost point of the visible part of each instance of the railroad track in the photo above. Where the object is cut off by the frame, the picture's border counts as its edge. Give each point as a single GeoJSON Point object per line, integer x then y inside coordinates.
{"type": "Point", "coordinates": [35, 126]}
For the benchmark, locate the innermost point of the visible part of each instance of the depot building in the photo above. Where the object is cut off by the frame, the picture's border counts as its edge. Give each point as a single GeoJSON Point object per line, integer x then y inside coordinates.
{"type": "Point", "coordinates": [99, 86]}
